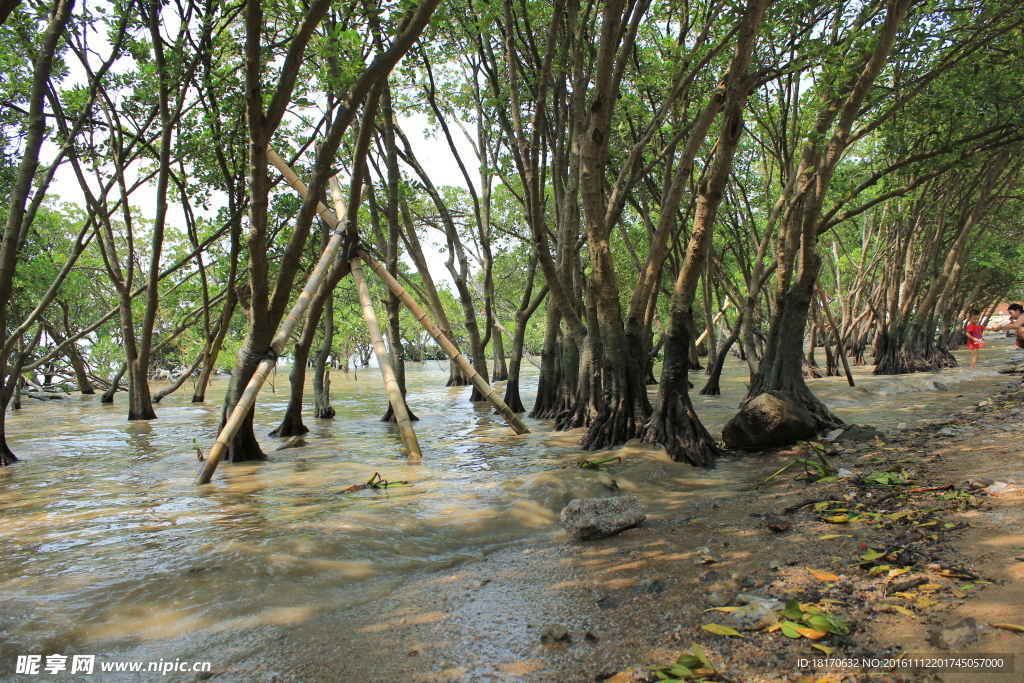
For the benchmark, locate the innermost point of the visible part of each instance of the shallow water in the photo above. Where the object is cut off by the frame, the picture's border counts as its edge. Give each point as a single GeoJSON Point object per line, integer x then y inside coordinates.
{"type": "Point", "coordinates": [110, 550]}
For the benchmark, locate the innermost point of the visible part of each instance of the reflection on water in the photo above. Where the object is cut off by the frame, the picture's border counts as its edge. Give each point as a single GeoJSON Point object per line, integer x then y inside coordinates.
{"type": "Point", "coordinates": [110, 549]}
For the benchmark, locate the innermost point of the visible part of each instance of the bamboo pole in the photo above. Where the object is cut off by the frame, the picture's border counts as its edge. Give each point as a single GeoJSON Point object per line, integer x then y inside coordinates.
{"type": "Point", "coordinates": [839, 339]}
{"type": "Point", "coordinates": [284, 332]}
{"type": "Point", "coordinates": [704, 334]}
{"type": "Point", "coordinates": [449, 348]}
{"type": "Point", "coordinates": [412, 446]}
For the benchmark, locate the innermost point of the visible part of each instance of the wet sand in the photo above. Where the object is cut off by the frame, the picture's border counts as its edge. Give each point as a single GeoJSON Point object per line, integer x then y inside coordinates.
{"type": "Point", "coordinates": [639, 599]}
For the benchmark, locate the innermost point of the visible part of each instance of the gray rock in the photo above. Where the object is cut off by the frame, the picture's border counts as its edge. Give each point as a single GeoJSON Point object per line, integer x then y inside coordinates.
{"type": "Point", "coordinates": [833, 435]}
{"type": "Point", "coordinates": [901, 426]}
{"type": "Point", "coordinates": [860, 433]}
{"type": "Point", "coordinates": [964, 632]}
{"type": "Point", "coordinates": [940, 386]}
{"type": "Point", "coordinates": [589, 518]}
{"type": "Point", "coordinates": [774, 418]}
{"type": "Point", "coordinates": [946, 431]}
{"type": "Point", "coordinates": [608, 602]}
{"type": "Point", "coordinates": [555, 633]}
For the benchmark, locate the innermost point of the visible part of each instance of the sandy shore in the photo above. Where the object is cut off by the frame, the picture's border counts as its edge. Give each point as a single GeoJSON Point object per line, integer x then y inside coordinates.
{"type": "Point", "coordinates": [640, 598]}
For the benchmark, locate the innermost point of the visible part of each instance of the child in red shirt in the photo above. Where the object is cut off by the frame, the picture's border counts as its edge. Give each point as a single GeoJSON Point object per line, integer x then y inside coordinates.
{"type": "Point", "coordinates": [974, 332]}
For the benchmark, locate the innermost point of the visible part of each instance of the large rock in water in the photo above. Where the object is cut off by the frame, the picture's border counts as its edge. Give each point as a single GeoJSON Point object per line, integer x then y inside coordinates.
{"type": "Point", "coordinates": [772, 419]}
{"type": "Point", "coordinates": [589, 518]}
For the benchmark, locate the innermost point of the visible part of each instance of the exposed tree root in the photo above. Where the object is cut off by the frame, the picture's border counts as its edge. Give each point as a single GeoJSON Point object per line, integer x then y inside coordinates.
{"type": "Point", "coordinates": [389, 414]}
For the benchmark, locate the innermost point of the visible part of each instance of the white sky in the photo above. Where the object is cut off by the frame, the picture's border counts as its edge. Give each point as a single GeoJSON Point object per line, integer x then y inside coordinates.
{"type": "Point", "coordinates": [432, 152]}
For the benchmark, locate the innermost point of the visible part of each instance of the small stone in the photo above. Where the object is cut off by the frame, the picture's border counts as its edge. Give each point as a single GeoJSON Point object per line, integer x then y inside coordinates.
{"type": "Point", "coordinates": [774, 564]}
{"type": "Point", "coordinates": [709, 576]}
{"type": "Point", "coordinates": [946, 431]}
{"type": "Point", "coordinates": [742, 580]}
{"type": "Point", "coordinates": [776, 524]}
{"type": "Point", "coordinates": [705, 559]}
{"type": "Point", "coordinates": [963, 632]}
{"type": "Point", "coordinates": [608, 602]}
{"type": "Point", "coordinates": [940, 386]}
{"type": "Point", "coordinates": [717, 599]}
{"type": "Point", "coordinates": [901, 426]}
{"type": "Point", "coordinates": [978, 483]}
{"type": "Point", "coordinates": [555, 633]}
{"type": "Point", "coordinates": [1014, 411]}
{"type": "Point", "coordinates": [590, 637]}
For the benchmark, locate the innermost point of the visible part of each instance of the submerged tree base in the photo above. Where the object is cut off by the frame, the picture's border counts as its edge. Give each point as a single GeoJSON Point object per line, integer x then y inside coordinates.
{"type": "Point", "coordinates": [678, 430]}
{"type": "Point", "coordinates": [7, 457]}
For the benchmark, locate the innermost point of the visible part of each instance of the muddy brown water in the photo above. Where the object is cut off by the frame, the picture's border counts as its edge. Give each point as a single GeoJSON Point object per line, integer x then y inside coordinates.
{"type": "Point", "coordinates": [110, 550]}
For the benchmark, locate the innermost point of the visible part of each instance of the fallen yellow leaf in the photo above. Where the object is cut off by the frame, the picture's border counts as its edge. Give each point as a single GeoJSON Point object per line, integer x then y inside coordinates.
{"type": "Point", "coordinates": [720, 630]}
{"type": "Point", "coordinates": [1009, 627]}
{"type": "Point", "coordinates": [923, 602]}
{"type": "Point", "coordinates": [822, 576]}
{"type": "Point", "coordinates": [959, 593]}
{"type": "Point", "coordinates": [902, 610]}
{"type": "Point", "coordinates": [812, 633]}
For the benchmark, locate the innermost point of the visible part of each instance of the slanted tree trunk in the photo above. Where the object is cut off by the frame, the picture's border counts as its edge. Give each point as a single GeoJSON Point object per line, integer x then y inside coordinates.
{"type": "Point", "coordinates": [713, 386]}
{"type": "Point", "coordinates": [32, 142]}
{"type": "Point", "coordinates": [115, 383]}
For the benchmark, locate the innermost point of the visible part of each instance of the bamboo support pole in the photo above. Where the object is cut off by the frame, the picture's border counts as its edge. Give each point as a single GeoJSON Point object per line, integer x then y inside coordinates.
{"type": "Point", "coordinates": [839, 339]}
{"type": "Point", "coordinates": [259, 377]}
{"type": "Point", "coordinates": [449, 348]}
{"type": "Point", "coordinates": [412, 446]}
{"type": "Point", "coordinates": [704, 334]}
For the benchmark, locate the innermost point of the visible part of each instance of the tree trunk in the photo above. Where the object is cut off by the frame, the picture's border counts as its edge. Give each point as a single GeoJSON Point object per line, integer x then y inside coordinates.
{"type": "Point", "coordinates": [500, 369]}
{"type": "Point", "coordinates": [322, 409]}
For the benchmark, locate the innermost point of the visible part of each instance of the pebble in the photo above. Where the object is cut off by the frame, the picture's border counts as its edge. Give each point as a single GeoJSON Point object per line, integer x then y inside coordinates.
{"type": "Point", "coordinates": [555, 633]}
{"type": "Point", "coordinates": [718, 599]}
